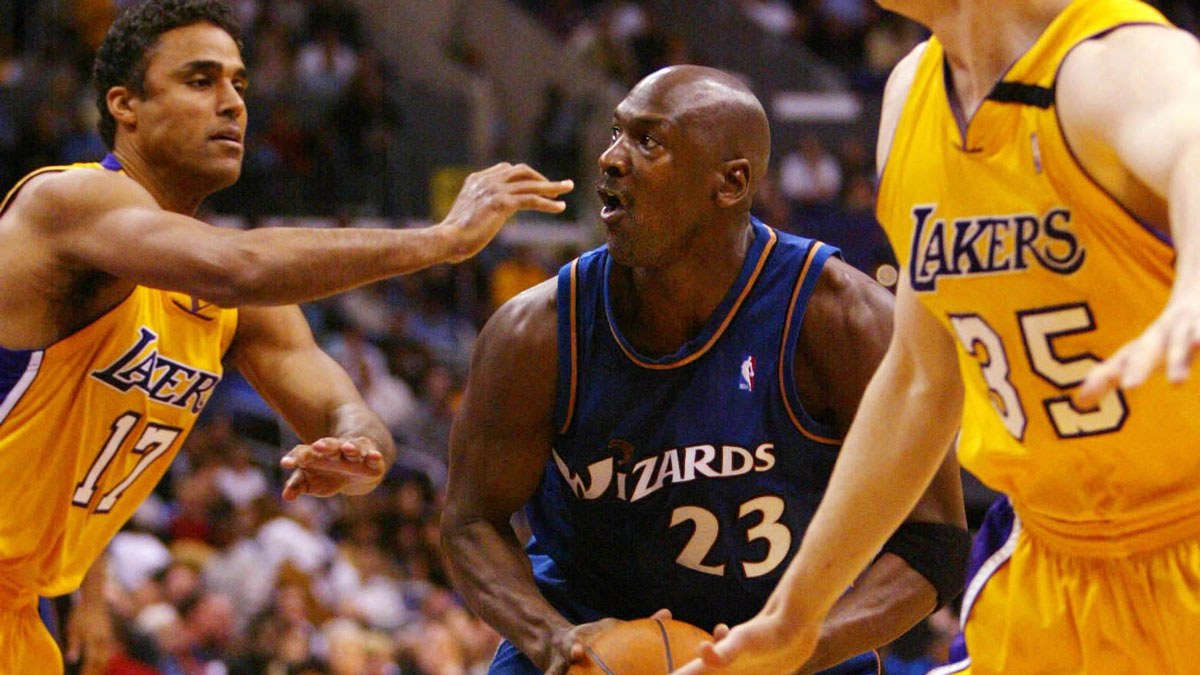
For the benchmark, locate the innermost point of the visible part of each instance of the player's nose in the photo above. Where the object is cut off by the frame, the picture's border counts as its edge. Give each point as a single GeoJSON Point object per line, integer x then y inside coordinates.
{"type": "Point", "coordinates": [614, 161]}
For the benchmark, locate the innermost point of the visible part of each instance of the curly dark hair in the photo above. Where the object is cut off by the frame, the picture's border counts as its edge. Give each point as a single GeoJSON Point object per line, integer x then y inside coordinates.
{"type": "Point", "coordinates": [123, 56]}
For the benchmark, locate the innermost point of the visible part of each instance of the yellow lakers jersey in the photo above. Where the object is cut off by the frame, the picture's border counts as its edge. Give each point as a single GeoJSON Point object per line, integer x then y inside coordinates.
{"type": "Point", "coordinates": [1039, 274]}
{"type": "Point", "coordinates": [90, 423]}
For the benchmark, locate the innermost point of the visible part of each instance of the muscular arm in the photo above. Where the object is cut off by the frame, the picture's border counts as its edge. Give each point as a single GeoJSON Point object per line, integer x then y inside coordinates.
{"type": "Point", "coordinates": [1128, 105]}
{"type": "Point", "coordinates": [908, 417]}
{"type": "Point", "coordinates": [105, 221]}
{"type": "Point", "coordinates": [275, 351]}
{"type": "Point", "coordinates": [499, 447]}
{"type": "Point", "coordinates": [846, 332]}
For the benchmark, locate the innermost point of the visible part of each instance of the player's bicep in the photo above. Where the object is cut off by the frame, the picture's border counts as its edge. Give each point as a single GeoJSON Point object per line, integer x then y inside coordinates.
{"type": "Point", "coordinates": [502, 432]}
{"type": "Point", "coordinates": [275, 351]}
{"type": "Point", "coordinates": [109, 223]}
{"type": "Point", "coordinates": [1134, 93]}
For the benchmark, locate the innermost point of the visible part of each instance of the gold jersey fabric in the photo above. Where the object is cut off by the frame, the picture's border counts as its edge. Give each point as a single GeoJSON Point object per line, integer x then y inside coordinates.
{"type": "Point", "coordinates": [1038, 273]}
{"type": "Point", "coordinates": [89, 424]}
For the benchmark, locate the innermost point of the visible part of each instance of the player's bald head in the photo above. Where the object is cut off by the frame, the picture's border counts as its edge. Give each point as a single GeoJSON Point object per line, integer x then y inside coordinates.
{"type": "Point", "coordinates": [715, 106]}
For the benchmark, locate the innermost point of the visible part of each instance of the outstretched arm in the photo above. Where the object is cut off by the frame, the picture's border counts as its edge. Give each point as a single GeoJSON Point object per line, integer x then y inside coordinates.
{"type": "Point", "coordinates": [846, 332]}
{"type": "Point", "coordinates": [909, 415]}
{"type": "Point", "coordinates": [346, 448]}
{"type": "Point", "coordinates": [1129, 100]}
{"type": "Point", "coordinates": [100, 220]}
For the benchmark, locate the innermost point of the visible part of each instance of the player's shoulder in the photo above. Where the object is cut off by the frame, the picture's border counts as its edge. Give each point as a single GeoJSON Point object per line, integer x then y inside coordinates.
{"type": "Point", "coordinates": [55, 195]}
{"type": "Point", "coordinates": [1109, 67]}
{"type": "Point", "coordinates": [526, 324]}
{"type": "Point", "coordinates": [895, 93]}
{"type": "Point", "coordinates": [849, 304]}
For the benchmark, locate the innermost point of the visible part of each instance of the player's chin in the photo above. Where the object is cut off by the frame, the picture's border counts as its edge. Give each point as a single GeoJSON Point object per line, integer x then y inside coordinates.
{"type": "Point", "coordinates": [224, 172]}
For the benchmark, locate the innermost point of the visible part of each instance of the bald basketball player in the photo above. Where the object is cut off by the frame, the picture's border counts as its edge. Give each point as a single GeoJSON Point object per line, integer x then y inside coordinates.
{"type": "Point", "coordinates": [668, 410]}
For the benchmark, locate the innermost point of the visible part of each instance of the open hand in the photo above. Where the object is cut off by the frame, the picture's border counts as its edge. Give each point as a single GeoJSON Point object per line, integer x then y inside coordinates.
{"type": "Point", "coordinates": [490, 197]}
{"type": "Point", "coordinates": [329, 466]}
{"type": "Point", "coordinates": [1171, 343]}
{"type": "Point", "coordinates": [764, 644]}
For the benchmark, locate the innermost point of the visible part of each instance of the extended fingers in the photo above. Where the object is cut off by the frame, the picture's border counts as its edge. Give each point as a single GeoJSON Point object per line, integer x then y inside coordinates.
{"type": "Point", "coordinates": [1102, 379]}
{"type": "Point", "coordinates": [1181, 349]}
{"type": "Point", "coordinates": [356, 457]}
{"type": "Point", "coordinates": [1145, 355]}
{"type": "Point", "coordinates": [546, 188]}
{"type": "Point", "coordinates": [296, 485]}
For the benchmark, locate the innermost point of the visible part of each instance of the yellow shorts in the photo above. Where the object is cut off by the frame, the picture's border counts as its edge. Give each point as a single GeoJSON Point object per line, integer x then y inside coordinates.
{"type": "Point", "coordinates": [1044, 610]}
{"type": "Point", "coordinates": [26, 647]}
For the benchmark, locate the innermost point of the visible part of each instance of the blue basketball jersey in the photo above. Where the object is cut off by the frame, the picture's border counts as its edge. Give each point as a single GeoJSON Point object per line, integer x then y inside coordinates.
{"type": "Point", "coordinates": [685, 481]}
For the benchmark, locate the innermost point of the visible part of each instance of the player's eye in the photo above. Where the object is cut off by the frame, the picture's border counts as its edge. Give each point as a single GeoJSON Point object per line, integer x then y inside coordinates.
{"type": "Point", "coordinates": [614, 132]}
{"type": "Point", "coordinates": [199, 82]}
{"type": "Point", "coordinates": [649, 142]}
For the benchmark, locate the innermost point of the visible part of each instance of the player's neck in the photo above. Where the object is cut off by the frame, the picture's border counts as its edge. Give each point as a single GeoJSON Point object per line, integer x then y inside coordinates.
{"type": "Point", "coordinates": [659, 310]}
{"type": "Point", "coordinates": [175, 195]}
{"type": "Point", "coordinates": [983, 38]}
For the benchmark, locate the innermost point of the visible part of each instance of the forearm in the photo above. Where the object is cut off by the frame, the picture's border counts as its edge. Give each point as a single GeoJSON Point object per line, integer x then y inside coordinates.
{"type": "Point", "coordinates": [893, 450]}
{"type": "Point", "coordinates": [887, 600]}
{"type": "Point", "coordinates": [290, 265]}
{"type": "Point", "coordinates": [1184, 202]}
{"type": "Point", "coordinates": [494, 575]}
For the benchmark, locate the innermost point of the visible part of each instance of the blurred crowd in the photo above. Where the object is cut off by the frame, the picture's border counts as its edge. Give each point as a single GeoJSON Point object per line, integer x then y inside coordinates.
{"type": "Point", "coordinates": [215, 574]}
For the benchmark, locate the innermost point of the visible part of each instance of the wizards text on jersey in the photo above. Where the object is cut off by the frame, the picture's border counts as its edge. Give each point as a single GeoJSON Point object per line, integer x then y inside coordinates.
{"type": "Point", "coordinates": [990, 244]}
{"type": "Point", "coordinates": [677, 465]}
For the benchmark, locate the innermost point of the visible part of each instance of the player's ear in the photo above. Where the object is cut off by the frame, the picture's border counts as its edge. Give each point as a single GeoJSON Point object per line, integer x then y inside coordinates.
{"type": "Point", "coordinates": [735, 182]}
{"type": "Point", "coordinates": [120, 100]}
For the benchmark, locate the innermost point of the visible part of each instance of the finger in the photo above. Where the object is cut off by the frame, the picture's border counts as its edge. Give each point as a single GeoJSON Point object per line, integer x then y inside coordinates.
{"type": "Point", "coordinates": [295, 486]}
{"type": "Point", "coordinates": [351, 451]}
{"type": "Point", "coordinates": [522, 171]}
{"type": "Point", "coordinates": [544, 188]}
{"type": "Point", "coordinates": [1181, 348]}
{"type": "Point", "coordinates": [577, 652]}
{"type": "Point", "coordinates": [72, 654]}
{"type": "Point", "coordinates": [328, 445]}
{"type": "Point", "coordinates": [1102, 379]}
{"type": "Point", "coordinates": [537, 203]}
{"type": "Point", "coordinates": [721, 631]}
{"type": "Point", "coordinates": [713, 655]}
{"type": "Point", "coordinates": [341, 467]}
{"type": "Point", "coordinates": [663, 614]}
{"type": "Point", "coordinates": [495, 168]}
{"type": "Point", "coordinates": [1143, 360]}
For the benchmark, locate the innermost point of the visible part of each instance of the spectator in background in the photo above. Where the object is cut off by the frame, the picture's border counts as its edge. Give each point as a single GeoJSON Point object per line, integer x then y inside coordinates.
{"type": "Point", "coordinates": [389, 396]}
{"type": "Point", "coordinates": [238, 479]}
{"type": "Point", "coordinates": [325, 65]}
{"type": "Point", "coordinates": [810, 175]}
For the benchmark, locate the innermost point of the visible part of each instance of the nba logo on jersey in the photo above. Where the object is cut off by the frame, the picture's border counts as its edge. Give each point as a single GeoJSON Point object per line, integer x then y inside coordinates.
{"type": "Point", "coordinates": [747, 380]}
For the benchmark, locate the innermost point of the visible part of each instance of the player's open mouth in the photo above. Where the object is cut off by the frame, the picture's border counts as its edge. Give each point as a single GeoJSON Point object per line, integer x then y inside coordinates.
{"type": "Point", "coordinates": [612, 205]}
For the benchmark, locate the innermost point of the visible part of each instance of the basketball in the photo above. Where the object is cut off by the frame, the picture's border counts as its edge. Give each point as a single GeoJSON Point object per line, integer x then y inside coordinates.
{"type": "Point", "coordinates": [641, 647]}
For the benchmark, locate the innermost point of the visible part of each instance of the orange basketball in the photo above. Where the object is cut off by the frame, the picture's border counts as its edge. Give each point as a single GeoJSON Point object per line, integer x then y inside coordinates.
{"type": "Point", "coordinates": [641, 647]}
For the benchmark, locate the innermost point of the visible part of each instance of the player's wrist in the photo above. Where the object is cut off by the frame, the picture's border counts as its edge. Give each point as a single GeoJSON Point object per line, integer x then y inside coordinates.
{"type": "Point", "coordinates": [447, 239]}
